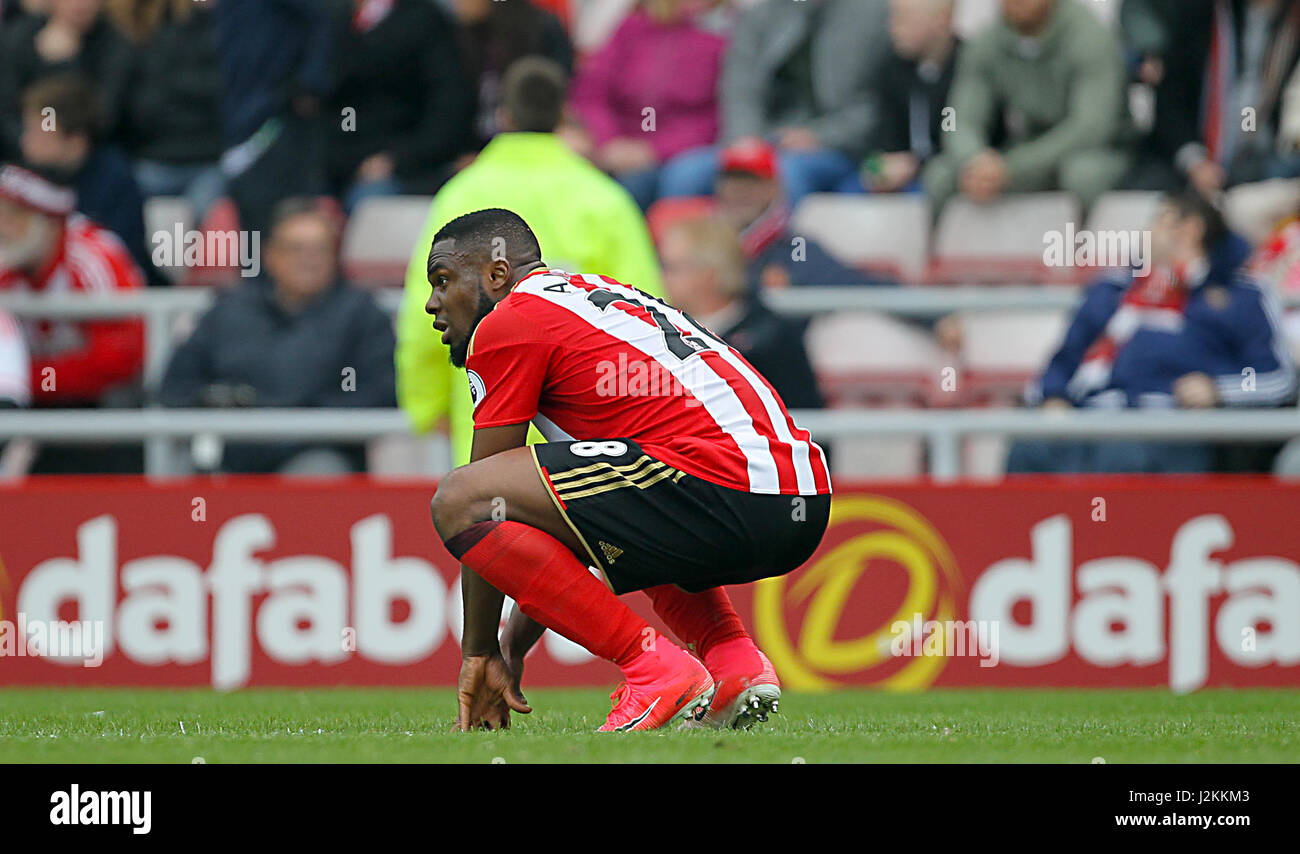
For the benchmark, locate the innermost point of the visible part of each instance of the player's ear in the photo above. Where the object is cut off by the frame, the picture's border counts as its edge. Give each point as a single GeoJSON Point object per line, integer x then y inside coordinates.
{"type": "Point", "coordinates": [498, 275]}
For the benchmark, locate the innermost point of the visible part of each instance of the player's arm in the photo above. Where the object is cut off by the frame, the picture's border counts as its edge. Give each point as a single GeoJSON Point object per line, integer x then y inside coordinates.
{"type": "Point", "coordinates": [482, 601]}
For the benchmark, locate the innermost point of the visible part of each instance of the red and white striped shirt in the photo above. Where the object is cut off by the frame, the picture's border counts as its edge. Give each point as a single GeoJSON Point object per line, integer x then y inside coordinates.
{"type": "Point", "coordinates": [585, 357]}
{"type": "Point", "coordinates": [78, 361]}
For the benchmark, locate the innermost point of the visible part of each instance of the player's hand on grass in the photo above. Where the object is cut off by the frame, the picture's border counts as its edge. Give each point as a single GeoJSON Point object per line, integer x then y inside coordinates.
{"type": "Point", "coordinates": [486, 693]}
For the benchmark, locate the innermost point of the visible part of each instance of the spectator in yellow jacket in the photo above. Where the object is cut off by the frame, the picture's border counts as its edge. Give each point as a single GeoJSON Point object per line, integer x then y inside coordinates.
{"type": "Point", "coordinates": [583, 219]}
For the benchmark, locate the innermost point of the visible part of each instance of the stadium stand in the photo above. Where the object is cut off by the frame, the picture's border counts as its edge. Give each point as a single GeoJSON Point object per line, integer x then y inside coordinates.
{"type": "Point", "coordinates": [881, 359]}
{"type": "Point", "coordinates": [889, 233]}
{"type": "Point", "coordinates": [1001, 241]}
{"type": "Point", "coordinates": [379, 236]}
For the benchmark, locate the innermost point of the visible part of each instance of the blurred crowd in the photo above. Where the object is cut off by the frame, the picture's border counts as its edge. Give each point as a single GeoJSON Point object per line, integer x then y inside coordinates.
{"type": "Point", "coordinates": [674, 138]}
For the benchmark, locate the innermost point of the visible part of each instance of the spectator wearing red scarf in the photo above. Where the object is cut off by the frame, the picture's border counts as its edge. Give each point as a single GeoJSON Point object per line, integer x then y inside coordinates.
{"type": "Point", "coordinates": [1197, 333]}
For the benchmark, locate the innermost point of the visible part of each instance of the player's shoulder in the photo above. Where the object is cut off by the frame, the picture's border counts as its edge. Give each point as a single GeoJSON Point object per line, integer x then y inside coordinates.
{"type": "Point", "coordinates": [519, 318]}
{"type": "Point", "coordinates": [557, 286]}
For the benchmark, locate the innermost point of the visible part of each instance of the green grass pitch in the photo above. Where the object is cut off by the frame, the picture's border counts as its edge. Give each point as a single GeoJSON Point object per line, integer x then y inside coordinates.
{"type": "Point", "coordinates": [395, 725]}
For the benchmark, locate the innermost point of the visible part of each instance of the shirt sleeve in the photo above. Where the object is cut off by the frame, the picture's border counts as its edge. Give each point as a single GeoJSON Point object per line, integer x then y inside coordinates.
{"type": "Point", "coordinates": [1265, 374]}
{"type": "Point", "coordinates": [508, 368]}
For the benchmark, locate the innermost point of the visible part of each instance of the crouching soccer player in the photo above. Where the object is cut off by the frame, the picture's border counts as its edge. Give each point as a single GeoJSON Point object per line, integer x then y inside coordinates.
{"type": "Point", "coordinates": [671, 466]}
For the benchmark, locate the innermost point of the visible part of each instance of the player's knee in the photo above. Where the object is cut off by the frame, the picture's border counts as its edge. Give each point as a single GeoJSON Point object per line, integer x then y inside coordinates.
{"type": "Point", "coordinates": [450, 506]}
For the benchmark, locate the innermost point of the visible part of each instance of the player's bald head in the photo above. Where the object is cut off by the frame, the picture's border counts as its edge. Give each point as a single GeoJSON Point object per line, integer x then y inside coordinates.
{"type": "Point", "coordinates": [487, 235]}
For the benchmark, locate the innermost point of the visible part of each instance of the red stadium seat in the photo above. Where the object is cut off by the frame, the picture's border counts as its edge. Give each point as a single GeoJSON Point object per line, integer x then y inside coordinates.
{"type": "Point", "coordinates": [379, 238]}
{"type": "Point", "coordinates": [865, 358]}
{"type": "Point", "coordinates": [1003, 242]}
{"type": "Point", "coordinates": [1004, 350]}
{"type": "Point", "coordinates": [223, 217]}
{"type": "Point", "coordinates": [886, 233]}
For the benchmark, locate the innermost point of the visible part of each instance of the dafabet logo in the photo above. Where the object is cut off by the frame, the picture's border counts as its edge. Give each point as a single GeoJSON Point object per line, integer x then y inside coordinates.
{"type": "Point", "coordinates": [880, 565]}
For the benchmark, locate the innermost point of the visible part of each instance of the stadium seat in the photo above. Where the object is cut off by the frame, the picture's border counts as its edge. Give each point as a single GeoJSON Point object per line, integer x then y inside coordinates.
{"type": "Point", "coordinates": [877, 458]}
{"type": "Point", "coordinates": [1002, 241]}
{"type": "Point", "coordinates": [1002, 351]}
{"type": "Point", "coordinates": [985, 457]}
{"type": "Point", "coordinates": [1252, 210]}
{"type": "Point", "coordinates": [866, 357]}
{"type": "Point", "coordinates": [161, 214]}
{"type": "Point", "coordinates": [379, 237]}
{"type": "Point", "coordinates": [1124, 210]}
{"type": "Point", "coordinates": [888, 233]}
{"type": "Point", "coordinates": [223, 217]}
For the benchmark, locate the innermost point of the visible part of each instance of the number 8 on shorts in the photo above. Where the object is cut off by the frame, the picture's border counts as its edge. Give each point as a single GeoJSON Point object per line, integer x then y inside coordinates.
{"type": "Point", "coordinates": [598, 449]}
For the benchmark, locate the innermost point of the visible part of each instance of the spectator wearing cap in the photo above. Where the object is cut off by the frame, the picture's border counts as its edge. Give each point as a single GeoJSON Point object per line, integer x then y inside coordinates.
{"type": "Point", "coordinates": [1194, 332]}
{"type": "Point", "coordinates": [912, 94]}
{"type": "Point", "coordinates": [801, 76]}
{"type": "Point", "coordinates": [298, 337]}
{"type": "Point", "coordinates": [61, 140]}
{"type": "Point", "coordinates": [172, 127]}
{"type": "Point", "coordinates": [398, 75]}
{"type": "Point", "coordinates": [75, 36]}
{"type": "Point", "coordinates": [750, 197]}
{"type": "Point", "coordinates": [1038, 104]}
{"type": "Point", "coordinates": [704, 276]}
{"type": "Point", "coordinates": [650, 93]}
{"type": "Point", "coordinates": [47, 248]}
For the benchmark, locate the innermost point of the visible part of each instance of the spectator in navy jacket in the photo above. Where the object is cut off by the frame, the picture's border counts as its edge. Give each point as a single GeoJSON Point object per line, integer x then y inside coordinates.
{"type": "Point", "coordinates": [297, 338]}
{"type": "Point", "coordinates": [493, 35]}
{"type": "Point", "coordinates": [410, 104]}
{"type": "Point", "coordinates": [172, 127]}
{"type": "Point", "coordinates": [1196, 333]}
{"type": "Point", "coordinates": [276, 59]}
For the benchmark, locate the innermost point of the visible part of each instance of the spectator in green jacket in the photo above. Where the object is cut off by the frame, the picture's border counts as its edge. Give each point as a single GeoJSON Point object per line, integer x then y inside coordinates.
{"type": "Point", "coordinates": [583, 219]}
{"type": "Point", "coordinates": [1038, 104]}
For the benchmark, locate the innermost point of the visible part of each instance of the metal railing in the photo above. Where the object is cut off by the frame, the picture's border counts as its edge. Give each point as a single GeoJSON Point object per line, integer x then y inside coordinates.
{"type": "Point", "coordinates": [160, 308]}
{"type": "Point", "coordinates": [943, 430]}
{"type": "Point", "coordinates": [159, 430]}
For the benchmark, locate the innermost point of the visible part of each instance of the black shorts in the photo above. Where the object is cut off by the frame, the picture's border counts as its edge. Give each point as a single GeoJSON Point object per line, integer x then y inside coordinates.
{"type": "Point", "coordinates": [644, 523]}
